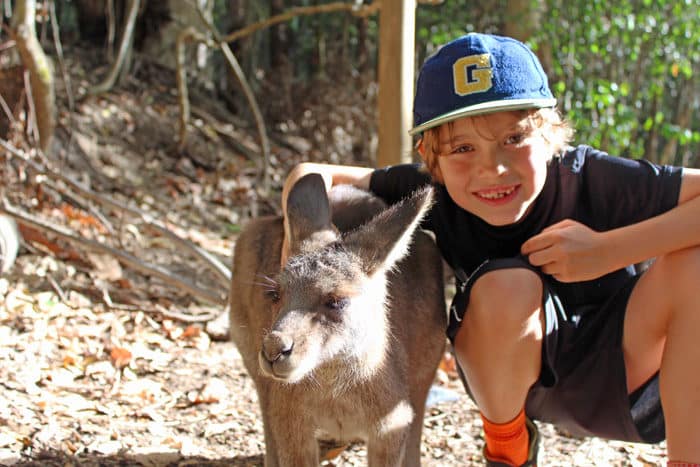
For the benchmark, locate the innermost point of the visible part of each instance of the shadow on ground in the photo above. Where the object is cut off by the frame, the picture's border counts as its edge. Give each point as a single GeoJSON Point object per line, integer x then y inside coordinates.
{"type": "Point", "coordinates": [54, 458]}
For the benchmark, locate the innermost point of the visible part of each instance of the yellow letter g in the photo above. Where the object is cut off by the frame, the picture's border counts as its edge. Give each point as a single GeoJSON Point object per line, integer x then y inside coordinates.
{"type": "Point", "coordinates": [472, 74]}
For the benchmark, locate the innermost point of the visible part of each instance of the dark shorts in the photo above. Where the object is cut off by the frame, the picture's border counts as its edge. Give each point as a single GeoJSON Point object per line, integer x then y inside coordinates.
{"type": "Point", "coordinates": [582, 386]}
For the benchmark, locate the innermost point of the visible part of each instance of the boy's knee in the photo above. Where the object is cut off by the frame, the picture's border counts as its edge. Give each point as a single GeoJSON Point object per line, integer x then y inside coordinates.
{"type": "Point", "coordinates": [505, 296]}
{"type": "Point", "coordinates": [679, 270]}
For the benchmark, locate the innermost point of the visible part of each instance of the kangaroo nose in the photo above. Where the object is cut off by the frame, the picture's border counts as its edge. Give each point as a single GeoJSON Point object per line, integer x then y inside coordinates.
{"type": "Point", "coordinates": [277, 345]}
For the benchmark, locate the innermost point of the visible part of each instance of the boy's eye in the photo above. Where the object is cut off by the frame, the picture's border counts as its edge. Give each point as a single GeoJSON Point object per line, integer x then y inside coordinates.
{"type": "Point", "coordinates": [461, 149]}
{"type": "Point", "coordinates": [515, 138]}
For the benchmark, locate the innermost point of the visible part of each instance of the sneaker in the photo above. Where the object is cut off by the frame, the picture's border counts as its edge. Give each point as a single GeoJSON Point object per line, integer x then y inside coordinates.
{"type": "Point", "coordinates": [532, 450]}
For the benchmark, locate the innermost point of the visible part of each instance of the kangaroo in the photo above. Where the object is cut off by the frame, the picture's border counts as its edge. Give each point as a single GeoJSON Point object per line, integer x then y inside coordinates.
{"type": "Point", "coordinates": [343, 342]}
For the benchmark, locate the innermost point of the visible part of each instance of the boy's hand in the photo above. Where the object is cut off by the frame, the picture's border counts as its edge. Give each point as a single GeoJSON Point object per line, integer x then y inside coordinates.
{"type": "Point", "coordinates": [569, 251]}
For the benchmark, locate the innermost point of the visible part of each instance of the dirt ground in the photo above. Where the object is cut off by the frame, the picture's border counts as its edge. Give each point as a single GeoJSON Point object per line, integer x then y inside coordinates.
{"type": "Point", "coordinates": [101, 365]}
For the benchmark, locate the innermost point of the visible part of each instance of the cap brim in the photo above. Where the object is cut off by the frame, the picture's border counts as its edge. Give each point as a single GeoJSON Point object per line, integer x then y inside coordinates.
{"type": "Point", "coordinates": [484, 108]}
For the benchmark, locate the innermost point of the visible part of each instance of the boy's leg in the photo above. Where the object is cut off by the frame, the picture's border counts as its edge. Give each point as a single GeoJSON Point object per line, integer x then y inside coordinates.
{"type": "Point", "coordinates": [499, 342]}
{"type": "Point", "coordinates": [662, 332]}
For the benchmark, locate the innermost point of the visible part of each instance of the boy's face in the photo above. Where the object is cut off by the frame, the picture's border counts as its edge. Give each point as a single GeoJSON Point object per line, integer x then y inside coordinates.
{"type": "Point", "coordinates": [493, 166]}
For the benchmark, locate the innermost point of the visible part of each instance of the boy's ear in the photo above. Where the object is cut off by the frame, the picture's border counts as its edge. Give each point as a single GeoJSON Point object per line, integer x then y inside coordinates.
{"type": "Point", "coordinates": [432, 165]}
{"type": "Point", "coordinates": [420, 148]}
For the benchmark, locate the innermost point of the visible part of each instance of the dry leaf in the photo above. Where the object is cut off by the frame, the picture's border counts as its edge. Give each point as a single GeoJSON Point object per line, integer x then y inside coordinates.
{"type": "Point", "coordinates": [448, 364]}
{"type": "Point", "coordinates": [82, 218]}
{"type": "Point", "coordinates": [120, 357]}
{"type": "Point", "coordinates": [191, 331]}
{"type": "Point", "coordinates": [106, 267]}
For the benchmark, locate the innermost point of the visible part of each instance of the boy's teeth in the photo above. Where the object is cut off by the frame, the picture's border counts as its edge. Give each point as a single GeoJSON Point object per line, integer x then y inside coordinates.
{"type": "Point", "coordinates": [496, 194]}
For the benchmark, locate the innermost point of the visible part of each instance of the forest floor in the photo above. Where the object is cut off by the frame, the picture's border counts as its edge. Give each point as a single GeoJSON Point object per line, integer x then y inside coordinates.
{"type": "Point", "coordinates": [103, 366]}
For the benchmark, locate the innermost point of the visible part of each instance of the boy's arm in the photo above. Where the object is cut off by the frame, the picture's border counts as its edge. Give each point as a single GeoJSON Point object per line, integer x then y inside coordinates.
{"type": "Point", "coordinates": [332, 175]}
{"type": "Point", "coordinates": [690, 185]}
{"type": "Point", "coordinates": [571, 252]}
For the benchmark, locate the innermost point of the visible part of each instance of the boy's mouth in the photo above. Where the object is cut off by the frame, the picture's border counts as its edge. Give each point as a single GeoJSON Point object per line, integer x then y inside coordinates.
{"type": "Point", "coordinates": [497, 195]}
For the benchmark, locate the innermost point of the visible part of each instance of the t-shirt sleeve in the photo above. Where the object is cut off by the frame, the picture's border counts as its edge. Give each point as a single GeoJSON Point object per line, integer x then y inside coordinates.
{"type": "Point", "coordinates": [625, 191]}
{"type": "Point", "coordinates": [395, 182]}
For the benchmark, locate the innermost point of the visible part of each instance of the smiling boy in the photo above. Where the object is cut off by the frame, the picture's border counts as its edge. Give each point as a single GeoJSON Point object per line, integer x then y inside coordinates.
{"type": "Point", "coordinates": [551, 320]}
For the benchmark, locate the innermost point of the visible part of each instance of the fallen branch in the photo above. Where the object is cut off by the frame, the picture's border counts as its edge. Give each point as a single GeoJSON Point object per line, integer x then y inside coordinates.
{"type": "Point", "coordinates": [168, 277]}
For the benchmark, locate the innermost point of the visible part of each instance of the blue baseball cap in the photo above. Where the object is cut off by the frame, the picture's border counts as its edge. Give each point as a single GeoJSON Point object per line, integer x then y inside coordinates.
{"type": "Point", "coordinates": [477, 74]}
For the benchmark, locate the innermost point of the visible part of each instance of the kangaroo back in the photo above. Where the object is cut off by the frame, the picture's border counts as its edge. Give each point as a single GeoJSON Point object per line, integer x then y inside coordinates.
{"type": "Point", "coordinates": [344, 341]}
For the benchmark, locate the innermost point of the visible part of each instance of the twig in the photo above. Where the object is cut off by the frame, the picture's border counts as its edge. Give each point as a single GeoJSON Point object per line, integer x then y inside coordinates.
{"type": "Point", "coordinates": [6, 110]}
{"type": "Point", "coordinates": [183, 317]}
{"type": "Point", "coordinates": [264, 141]}
{"type": "Point", "coordinates": [57, 288]}
{"type": "Point", "coordinates": [59, 53]}
{"type": "Point", "coordinates": [106, 298]}
{"type": "Point", "coordinates": [32, 122]}
{"type": "Point", "coordinates": [151, 269]}
{"type": "Point", "coordinates": [187, 35]}
{"type": "Point", "coordinates": [222, 129]}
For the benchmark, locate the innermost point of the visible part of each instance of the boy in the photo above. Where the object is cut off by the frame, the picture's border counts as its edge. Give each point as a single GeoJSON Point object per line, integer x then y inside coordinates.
{"type": "Point", "coordinates": [551, 320]}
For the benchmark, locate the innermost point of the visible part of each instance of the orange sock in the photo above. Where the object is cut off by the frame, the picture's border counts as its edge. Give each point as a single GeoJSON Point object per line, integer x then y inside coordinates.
{"type": "Point", "coordinates": [507, 442]}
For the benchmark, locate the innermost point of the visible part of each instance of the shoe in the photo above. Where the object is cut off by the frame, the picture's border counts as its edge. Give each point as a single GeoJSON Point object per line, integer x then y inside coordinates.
{"type": "Point", "coordinates": [532, 450]}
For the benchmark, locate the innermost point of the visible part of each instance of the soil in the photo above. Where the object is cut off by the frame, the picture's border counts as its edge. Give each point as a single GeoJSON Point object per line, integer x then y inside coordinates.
{"type": "Point", "coordinates": [101, 365]}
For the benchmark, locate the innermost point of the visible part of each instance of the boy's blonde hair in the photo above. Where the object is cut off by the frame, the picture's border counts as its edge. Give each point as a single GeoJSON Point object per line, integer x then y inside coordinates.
{"type": "Point", "coordinates": [548, 121]}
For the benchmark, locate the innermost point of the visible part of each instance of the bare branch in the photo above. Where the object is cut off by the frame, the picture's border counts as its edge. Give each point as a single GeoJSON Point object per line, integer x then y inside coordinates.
{"type": "Point", "coordinates": [187, 35]}
{"type": "Point", "coordinates": [264, 141]}
{"type": "Point", "coordinates": [355, 9]}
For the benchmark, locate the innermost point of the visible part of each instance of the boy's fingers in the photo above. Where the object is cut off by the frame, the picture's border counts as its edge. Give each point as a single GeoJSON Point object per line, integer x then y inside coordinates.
{"type": "Point", "coordinates": [536, 243]}
{"type": "Point", "coordinates": [547, 237]}
{"type": "Point", "coordinates": [540, 258]}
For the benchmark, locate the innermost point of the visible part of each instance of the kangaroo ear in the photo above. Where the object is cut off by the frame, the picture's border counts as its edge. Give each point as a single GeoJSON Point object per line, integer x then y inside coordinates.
{"type": "Point", "coordinates": [309, 215]}
{"type": "Point", "coordinates": [387, 237]}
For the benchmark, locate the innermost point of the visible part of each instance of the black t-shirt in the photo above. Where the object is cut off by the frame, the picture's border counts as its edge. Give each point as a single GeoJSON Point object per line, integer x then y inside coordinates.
{"type": "Point", "coordinates": [583, 184]}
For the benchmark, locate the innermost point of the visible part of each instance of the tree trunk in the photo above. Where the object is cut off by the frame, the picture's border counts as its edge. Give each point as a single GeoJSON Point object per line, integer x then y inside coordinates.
{"type": "Point", "coordinates": [396, 79]}
{"type": "Point", "coordinates": [39, 67]}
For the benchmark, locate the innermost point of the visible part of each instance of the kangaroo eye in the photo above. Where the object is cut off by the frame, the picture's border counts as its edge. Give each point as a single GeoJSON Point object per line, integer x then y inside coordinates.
{"type": "Point", "coordinates": [336, 303]}
{"type": "Point", "coordinates": [273, 295]}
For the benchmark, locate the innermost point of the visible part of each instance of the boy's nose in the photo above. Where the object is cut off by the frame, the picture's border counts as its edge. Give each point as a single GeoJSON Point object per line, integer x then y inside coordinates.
{"type": "Point", "coordinates": [494, 163]}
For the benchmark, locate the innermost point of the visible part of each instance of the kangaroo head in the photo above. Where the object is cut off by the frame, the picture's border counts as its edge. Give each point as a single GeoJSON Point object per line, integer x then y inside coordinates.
{"type": "Point", "coordinates": [332, 291]}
